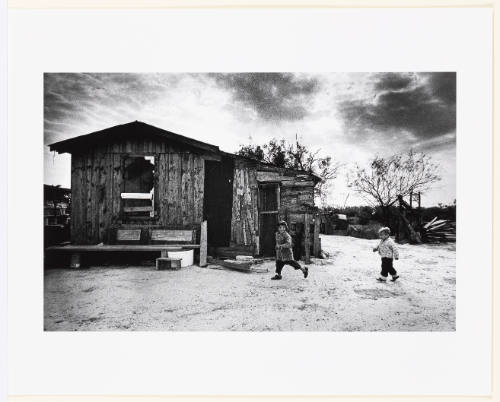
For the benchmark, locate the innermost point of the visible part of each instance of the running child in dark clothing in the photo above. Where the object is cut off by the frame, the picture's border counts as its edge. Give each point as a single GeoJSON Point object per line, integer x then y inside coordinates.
{"type": "Point", "coordinates": [284, 253]}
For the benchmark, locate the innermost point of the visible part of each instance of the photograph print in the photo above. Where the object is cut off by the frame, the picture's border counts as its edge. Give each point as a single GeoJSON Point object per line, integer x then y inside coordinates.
{"type": "Point", "coordinates": [250, 201]}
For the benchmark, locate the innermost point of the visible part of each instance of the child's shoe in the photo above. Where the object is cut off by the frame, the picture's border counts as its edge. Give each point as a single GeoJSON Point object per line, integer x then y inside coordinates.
{"type": "Point", "coordinates": [381, 279]}
{"type": "Point", "coordinates": [394, 278]}
{"type": "Point", "coordinates": [276, 277]}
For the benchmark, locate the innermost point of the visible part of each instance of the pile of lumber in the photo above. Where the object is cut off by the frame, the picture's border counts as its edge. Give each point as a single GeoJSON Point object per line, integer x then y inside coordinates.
{"type": "Point", "coordinates": [439, 231]}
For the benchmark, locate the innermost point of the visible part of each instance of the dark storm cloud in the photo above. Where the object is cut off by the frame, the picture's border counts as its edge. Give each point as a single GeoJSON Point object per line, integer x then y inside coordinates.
{"type": "Point", "coordinates": [443, 86]}
{"type": "Point", "coordinates": [273, 96]}
{"type": "Point", "coordinates": [70, 98]}
{"type": "Point", "coordinates": [423, 105]}
{"type": "Point", "coordinates": [393, 81]}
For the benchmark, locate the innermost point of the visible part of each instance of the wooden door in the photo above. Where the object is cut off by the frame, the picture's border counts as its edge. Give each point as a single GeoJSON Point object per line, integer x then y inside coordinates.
{"type": "Point", "coordinates": [269, 201]}
{"type": "Point", "coordinates": [218, 201]}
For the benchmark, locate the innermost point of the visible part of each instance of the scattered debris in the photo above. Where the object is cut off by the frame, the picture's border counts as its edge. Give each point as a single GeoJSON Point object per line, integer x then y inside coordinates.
{"type": "Point", "coordinates": [324, 255]}
{"type": "Point", "coordinates": [319, 261]}
{"type": "Point", "coordinates": [238, 264]}
{"type": "Point", "coordinates": [368, 231]}
{"type": "Point", "coordinates": [244, 258]}
{"type": "Point", "coordinates": [244, 265]}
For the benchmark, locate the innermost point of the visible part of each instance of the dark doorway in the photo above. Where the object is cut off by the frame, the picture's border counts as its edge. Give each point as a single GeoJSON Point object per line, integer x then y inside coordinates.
{"type": "Point", "coordinates": [218, 201]}
{"type": "Point", "coordinates": [269, 200]}
{"type": "Point", "coordinates": [297, 233]}
{"type": "Point", "coordinates": [268, 224]}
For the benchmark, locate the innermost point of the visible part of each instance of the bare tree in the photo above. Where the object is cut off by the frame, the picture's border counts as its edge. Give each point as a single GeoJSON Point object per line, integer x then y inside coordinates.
{"type": "Point", "coordinates": [387, 178]}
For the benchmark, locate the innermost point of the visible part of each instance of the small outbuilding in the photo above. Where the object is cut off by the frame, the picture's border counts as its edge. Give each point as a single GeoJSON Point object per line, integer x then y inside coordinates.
{"type": "Point", "coordinates": [333, 223]}
{"type": "Point", "coordinates": [139, 176]}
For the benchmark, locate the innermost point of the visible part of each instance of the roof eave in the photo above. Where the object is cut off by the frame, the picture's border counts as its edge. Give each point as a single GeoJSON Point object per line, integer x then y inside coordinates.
{"type": "Point", "coordinates": [69, 145]}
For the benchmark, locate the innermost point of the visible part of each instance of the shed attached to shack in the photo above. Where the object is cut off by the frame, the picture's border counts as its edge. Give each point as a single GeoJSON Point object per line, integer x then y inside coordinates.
{"type": "Point", "coordinates": [137, 175]}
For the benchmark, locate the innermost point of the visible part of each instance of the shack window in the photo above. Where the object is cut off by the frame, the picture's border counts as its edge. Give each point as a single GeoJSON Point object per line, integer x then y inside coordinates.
{"type": "Point", "coordinates": [138, 186]}
{"type": "Point", "coordinates": [269, 197]}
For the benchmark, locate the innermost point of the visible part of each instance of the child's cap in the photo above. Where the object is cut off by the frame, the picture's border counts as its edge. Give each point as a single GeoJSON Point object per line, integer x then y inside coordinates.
{"type": "Point", "coordinates": [385, 229]}
{"type": "Point", "coordinates": [283, 223]}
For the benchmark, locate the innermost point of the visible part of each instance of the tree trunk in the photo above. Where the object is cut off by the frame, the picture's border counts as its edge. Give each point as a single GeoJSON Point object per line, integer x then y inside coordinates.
{"type": "Point", "coordinates": [386, 216]}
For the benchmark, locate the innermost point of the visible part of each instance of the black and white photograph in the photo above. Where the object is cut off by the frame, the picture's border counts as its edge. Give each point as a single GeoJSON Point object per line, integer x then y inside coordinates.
{"type": "Point", "coordinates": [250, 201]}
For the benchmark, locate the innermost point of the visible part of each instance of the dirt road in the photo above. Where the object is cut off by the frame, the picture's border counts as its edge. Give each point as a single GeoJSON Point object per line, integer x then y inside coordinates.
{"type": "Point", "coordinates": [341, 294]}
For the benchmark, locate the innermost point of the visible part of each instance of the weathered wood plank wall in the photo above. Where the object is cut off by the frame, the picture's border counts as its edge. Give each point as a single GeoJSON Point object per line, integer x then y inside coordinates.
{"type": "Point", "coordinates": [180, 189]}
{"type": "Point", "coordinates": [296, 198]}
{"type": "Point", "coordinates": [296, 192]}
{"type": "Point", "coordinates": [97, 182]}
{"type": "Point", "coordinates": [245, 217]}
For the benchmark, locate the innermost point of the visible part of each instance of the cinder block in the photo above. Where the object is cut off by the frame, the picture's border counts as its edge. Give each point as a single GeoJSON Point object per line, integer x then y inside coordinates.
{"type": "Point", "coordinates": [164, 263]}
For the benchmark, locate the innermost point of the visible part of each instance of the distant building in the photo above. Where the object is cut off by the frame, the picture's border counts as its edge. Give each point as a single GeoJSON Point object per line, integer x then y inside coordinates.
{"type": "Point", "coordinates": [56, 205]}
{"type": "Point", "coordinates": [333, 223]}
{"type": "Point", "coordinates": [56, 214]}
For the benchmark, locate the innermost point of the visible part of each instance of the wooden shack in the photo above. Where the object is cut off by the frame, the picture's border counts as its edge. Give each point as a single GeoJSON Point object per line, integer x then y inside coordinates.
{"type": "Point", "coordinates": [139, 175]}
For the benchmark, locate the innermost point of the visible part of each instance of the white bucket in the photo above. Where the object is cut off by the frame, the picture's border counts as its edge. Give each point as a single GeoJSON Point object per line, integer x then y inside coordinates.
{"type": "Point", "coordinates": [186, 257]}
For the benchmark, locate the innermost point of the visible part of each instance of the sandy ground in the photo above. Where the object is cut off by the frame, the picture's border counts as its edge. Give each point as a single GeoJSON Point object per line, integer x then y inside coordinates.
{"type": "Point", "coordinates": [341, 294]}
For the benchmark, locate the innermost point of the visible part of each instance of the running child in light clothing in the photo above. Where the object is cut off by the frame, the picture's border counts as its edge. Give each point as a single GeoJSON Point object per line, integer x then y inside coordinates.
{"type": "Point", "coordinates": [388, 252]}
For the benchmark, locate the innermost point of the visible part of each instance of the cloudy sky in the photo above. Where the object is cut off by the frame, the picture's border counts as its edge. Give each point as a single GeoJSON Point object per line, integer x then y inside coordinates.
{"type": "Point", "coordinates": [349, 116]}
